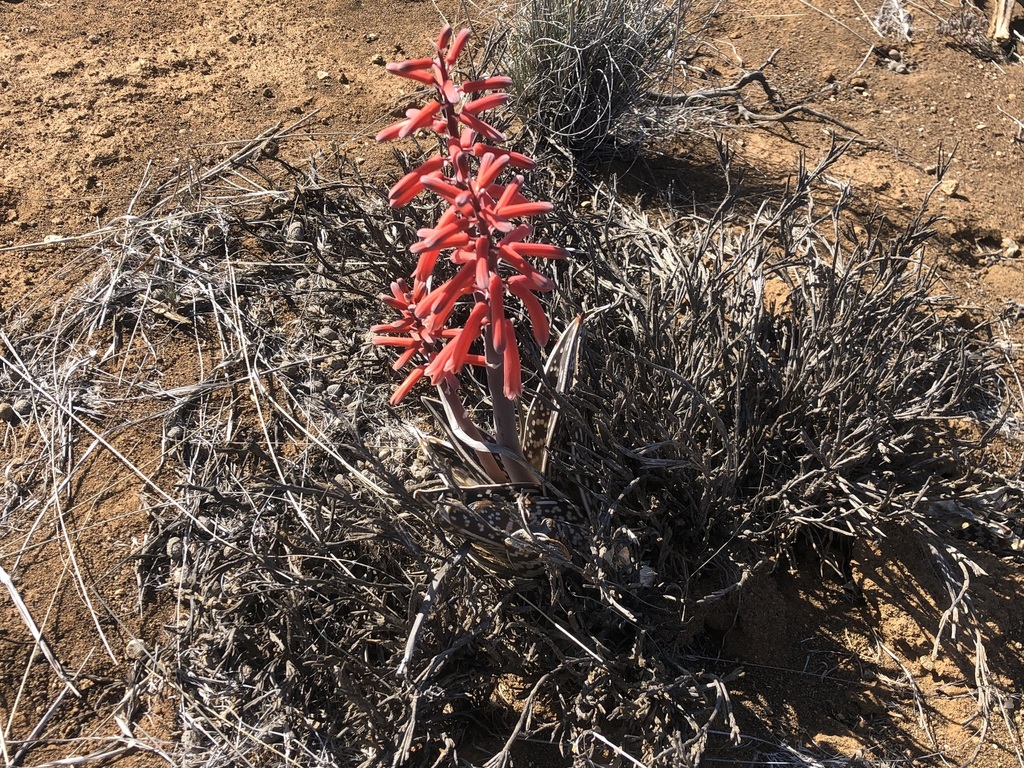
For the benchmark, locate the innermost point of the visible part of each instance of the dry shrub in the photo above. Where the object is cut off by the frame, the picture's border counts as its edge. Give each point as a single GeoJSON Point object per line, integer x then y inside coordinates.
{"type": "Point", "coordinates": [323, 617]}
{"type": "Point", "coordinates": [585, 71]}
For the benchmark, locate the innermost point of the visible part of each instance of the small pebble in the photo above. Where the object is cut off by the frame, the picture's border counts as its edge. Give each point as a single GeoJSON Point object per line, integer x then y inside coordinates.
{"type": "Point", "coordinates": [8, 414]}
{"type": "Point", "coordinates": [135, 649]}
{"type": "Point", "coordinates": [174, 548]}
{"type": "Point", "coordinates": [294, 237]}
{"type": "Point", "coordinates": [379, 60]}
{"type": "Point", "coordinates": [175, 433]}
{"type": "Point", "coordinates": [23, 407]}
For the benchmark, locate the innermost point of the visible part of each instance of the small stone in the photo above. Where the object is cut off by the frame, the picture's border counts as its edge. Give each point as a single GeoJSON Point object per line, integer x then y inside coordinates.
{"type": "Point", "coordinates": [1010, 248]}
{"type": "Point", "coordinates": [180, 577]}
{"type": "Point", "coordinates": [268, 93]}
{"type": "Point", "coordinates": [859, 83]}
{"type": "Point", "coordinates": [333, 390]}
{"type": "Point", "coordinates": [379, 60]}
{"type": "Point", "coordinates": [8, 414]}
{"type": "Point", "coordinates": [894, 54]}
{"type": "Point", "coordinates": [233, 38]}
{"type": "Point", "coordinates": [23, 407]}
{"type": "Point", "coordinates": [326, 332]}
{"type": "Point", "coordinates": [135, 649]}
{"type": "Point", "coordinates": [323, 74]}
{"type": "Point", "coordinates": [175, 433]}
{"type": "Point", "coordinates": [949, 187]}
{"type": "Point", "coordinates": [174, 548]}
{"type": "Point", "coordinates": [371, 36]}
{"type": "Point", "coordinates": [294, 237]}
{"type": "Point", "coordinates": [931, 170]}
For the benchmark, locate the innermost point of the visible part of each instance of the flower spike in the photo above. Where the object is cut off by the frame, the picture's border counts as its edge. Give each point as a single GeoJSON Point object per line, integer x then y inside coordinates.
{"type": "Point", "coordinates": [481, 232]}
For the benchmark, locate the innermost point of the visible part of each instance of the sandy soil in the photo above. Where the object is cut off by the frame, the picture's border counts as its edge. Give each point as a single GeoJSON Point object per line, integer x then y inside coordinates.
{"type": "Point", "coordinates": [93, 97]}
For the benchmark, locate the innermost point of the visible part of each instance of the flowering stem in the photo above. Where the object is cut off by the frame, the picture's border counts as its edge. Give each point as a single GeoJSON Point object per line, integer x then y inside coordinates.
{"type": "Point", "coordinates": [506, 428]}
{"type": "Point", "coordinates": [487, 245]}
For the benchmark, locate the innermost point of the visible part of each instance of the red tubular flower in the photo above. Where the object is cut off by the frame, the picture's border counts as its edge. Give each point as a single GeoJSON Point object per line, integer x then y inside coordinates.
{"type": "Point", "coordinates": [490, 101]}
{"type": "Point", "coordinates": [540, 250]}
{"type": "Point", "coordinates": [495, 294]}
{"type": "Point", "coordinates": [437, 306]}
{"type": "Point", "coordinates": [406, 386]}
{"type": "Point", "coordinates": [470, 333]}
{"type": "Point", "coordinates": [487, 131]}
{"type": "Point", "coordinates": [515, 159]}
{"type": "Point", "coordinates": [490, 167]}
{"type": "Point", "coordinates": [420, 70]}
{"type": "Point", "coordinates": [444, 38]}
{"type": "Point", "coordinates": [522, 288]}
{"type": "Point", "coordinates": [411, 184]}
{"type": "Point", "coordinates": [409, 333]}
{"type": "Point", "coordinates": [442, 188]}
{"type": "Point", "coordinates": [496, 83]}
{"type": "Point", "coordinates": [419, 118]}
{"type": "Point", "coordinates": [457, 46]}
{"type": "Point", "coordinates": [513, 368]}
{"type": "Point", "coordinates": [451, 235]}
{"type": "Point", "coordinates": [455, 355]}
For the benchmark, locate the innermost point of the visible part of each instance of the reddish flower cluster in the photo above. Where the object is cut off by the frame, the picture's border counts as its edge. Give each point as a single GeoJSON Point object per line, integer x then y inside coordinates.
{"type": "Point", "coordinates": [476, 231]}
